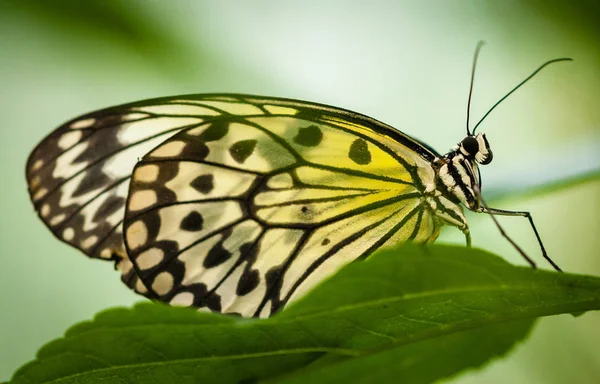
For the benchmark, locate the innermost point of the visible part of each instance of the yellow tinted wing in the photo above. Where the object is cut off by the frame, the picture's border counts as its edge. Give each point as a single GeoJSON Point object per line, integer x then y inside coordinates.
{"type": "Point", "coordinates": [245, 212]}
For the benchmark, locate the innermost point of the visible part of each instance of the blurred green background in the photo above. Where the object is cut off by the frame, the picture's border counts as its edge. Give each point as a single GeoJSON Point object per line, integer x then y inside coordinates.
{"type": "Point", "coordinates": [403, 62]}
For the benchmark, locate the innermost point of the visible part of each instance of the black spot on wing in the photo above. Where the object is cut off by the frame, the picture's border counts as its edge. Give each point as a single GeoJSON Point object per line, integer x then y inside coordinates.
{"type": "Point", "coordinates": [274, 282]}
{"type": "Point", "coordinates": [325, 241]}
{"type": "Point", "coordinates": [310, 136]}
{"type": "Point", "coordinates": [195, 150]}
{"type": "Point", "coordinates": [217, 255]}
{"type": "Point", "coordinates": [307, 213]}
{"type": "Point", "coordinates": [247, 283]}
{"type": "Point", "coordinates": [241, 150]}
{"type": "Point", "coordinates": [359, 152]}
{"type": "Point", "coordinates": [192, 222]}
{"type": "Point", "coordinates": [212, 302]}
{"type": "Point", "coordinates": [216, 131]}
{"type": "Point", "coordinates": [203, 183]}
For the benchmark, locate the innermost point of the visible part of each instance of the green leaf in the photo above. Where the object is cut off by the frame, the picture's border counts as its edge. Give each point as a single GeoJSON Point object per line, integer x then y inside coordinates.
{"type": "Point", "coordinates": [421, 362]}
{"type": "Point", "coordinates": [401, 315]}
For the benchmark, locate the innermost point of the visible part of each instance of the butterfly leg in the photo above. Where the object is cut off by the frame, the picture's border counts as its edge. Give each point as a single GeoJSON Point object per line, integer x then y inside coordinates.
{"type": "Point", "coordinates": [501, 212]}
{"type": "Point", "coordinates": [467, 234]}
{"type": "Point", "coordinates": [484, 208]}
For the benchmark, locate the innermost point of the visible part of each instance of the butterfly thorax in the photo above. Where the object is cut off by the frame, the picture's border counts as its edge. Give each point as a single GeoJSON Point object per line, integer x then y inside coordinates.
{"type": "Point", "coordinates": [458, 170]}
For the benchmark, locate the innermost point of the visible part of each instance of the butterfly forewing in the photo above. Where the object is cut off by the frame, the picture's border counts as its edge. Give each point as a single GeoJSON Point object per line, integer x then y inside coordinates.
{"type": "Point", "coordinates": [245, 212]}
{"type": "Point", "coordinates": [78, 177]}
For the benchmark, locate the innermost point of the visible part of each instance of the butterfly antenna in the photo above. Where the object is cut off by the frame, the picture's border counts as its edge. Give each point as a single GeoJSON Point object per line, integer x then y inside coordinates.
{"type": "Point", "coordinates": [519, 85]}
{"type": "Point", "coordinates": [477, 49]}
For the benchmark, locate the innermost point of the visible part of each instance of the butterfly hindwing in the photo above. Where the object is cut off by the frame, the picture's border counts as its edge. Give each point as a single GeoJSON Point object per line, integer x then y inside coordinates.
{"type": "Point", "coordinates": [243, 214]}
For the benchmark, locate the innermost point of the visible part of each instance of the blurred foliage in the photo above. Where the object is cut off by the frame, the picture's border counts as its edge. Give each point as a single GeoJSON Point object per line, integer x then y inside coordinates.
{"type": "Point", "coordinates": [127, 23]}
{"type": "Point", "coordinates": [581, 16]}
{"type": "Point", "coordinates": [544, 188]}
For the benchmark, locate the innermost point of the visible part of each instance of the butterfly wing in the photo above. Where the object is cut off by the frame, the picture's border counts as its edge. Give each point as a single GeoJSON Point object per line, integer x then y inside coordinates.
{"type": "Point", "coordinates": [245, 212]}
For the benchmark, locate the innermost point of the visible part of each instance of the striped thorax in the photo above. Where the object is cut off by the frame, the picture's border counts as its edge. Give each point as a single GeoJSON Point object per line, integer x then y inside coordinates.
{"type": "Point", "coordinates": [458, 170]}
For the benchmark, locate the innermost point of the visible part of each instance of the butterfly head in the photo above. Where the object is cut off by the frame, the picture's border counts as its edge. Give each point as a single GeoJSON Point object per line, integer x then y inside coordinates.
{"type": "Point", "coordinates": [476, 147]}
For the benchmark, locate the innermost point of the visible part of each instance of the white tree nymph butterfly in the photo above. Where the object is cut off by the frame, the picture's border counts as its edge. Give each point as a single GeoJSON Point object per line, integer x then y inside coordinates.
{"type": "Point", "coordinates": [240, 204]}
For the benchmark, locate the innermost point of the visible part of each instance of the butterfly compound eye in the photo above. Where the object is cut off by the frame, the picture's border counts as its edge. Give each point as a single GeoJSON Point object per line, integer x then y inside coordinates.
{"type": "Point", "coordinates": [470, 145]}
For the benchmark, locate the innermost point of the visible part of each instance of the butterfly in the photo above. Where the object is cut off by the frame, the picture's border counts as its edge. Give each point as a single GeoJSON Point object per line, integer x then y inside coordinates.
{"type": "Point", "coordinates": [241, 204]}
